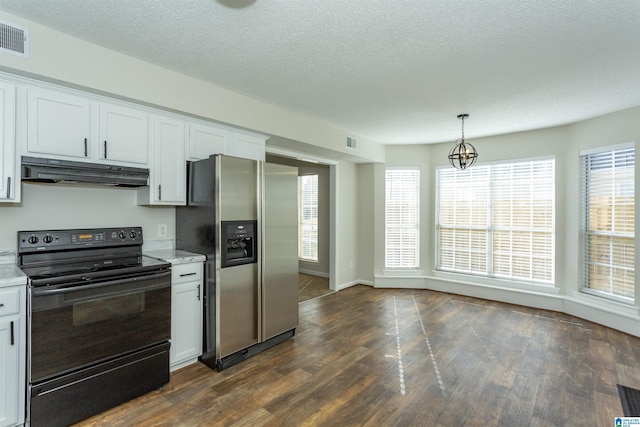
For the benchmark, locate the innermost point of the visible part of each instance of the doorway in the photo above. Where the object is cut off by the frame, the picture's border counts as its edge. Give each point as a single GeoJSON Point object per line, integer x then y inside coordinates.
{"type": "Point", "coordinates": [314, 225]}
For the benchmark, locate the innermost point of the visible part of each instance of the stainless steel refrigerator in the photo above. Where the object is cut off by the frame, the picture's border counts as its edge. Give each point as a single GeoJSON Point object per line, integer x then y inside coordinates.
{"type": "Point", "coordinates": [242, 214]}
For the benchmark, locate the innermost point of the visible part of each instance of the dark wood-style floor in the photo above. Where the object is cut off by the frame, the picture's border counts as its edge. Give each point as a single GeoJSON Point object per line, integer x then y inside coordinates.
{"type": "Point", "coordinates": [374, 357]}
{"type": "Point", "coordinates": [312, 287]}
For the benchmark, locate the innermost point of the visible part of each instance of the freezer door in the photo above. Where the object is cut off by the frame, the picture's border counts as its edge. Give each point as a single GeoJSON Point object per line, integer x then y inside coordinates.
{"type": "Point", "coordinates": [238, 308]}
{"type": "Point", "coordinates": [238, 189]}
{"type": "Point", "coordinates": [280, 250]}
{"type": "Point", "coordinates": [237, 286]}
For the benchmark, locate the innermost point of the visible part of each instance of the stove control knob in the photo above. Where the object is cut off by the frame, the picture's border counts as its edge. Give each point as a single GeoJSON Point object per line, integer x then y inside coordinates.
{"type": "Point", "coordinates": [47, 239]}
{"type": "Point", "coordinates": [122, 235]}
{"type": "Point", "coordinates": [133, 234]}
{"type": "Point", "coordinates": [33, 239]}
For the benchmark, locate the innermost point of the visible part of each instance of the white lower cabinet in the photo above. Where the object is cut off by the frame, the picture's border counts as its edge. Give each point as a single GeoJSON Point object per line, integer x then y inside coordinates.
{"type": "Point", "coordinates": [186, 314]}
{"type": "Point", "coordinates": [12, 355]}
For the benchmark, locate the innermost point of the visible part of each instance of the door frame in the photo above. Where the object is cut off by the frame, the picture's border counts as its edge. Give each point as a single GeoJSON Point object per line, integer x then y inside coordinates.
{"type": "Point", "coordinates": [333, 173]}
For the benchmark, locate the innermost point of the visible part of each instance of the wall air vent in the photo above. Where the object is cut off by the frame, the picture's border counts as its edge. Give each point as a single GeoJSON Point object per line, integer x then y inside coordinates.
{"type": "Point", "coordinates": [14, 39]}
{"type": "Point", "coordinates": [351, 142]}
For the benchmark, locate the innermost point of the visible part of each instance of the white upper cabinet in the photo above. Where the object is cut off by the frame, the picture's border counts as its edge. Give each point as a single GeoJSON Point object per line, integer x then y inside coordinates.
{"type": "Point", "coordinates": [58, 124]}
{"type": "Point", "coordinates": [124, 134]}
{"type": "Point", "coordinates": [206, 140]}
{"type": "Point", "coordinates": [167, 181]}
{"type": "Point", "coordinates": [9, 182]}
{"type": "Point", "coordinates": [64, 125]}
{"type": "Point", "coordinates": [69, 124]}
{"type": "Point", "coordinates": [247, 146]}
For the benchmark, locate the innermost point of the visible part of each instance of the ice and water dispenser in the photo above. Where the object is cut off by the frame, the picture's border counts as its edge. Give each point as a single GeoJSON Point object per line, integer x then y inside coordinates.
{"type": "Point", "coordinates": [239, 243]}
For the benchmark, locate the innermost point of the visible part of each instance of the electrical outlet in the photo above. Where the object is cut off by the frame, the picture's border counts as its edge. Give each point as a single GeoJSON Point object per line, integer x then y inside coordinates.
{"type": "Point", "coordinates": [162, 230]}
{"type": "Point", "coordinates": [350, 265]}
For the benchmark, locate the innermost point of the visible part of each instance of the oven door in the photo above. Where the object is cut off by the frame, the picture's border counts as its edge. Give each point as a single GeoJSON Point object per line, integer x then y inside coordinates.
{"type": "Point", "coordinates": [76, 325]}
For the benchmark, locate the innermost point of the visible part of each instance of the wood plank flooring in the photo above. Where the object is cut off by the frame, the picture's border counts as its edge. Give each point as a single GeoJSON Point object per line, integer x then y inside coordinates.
{"type": "Point", "coordinates": [312, 287]}
{"type": "Point", "coordinates": [382, 357]}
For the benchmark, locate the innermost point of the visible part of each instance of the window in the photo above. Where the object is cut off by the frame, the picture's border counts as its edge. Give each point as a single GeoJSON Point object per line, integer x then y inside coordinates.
{"type": "Point", "coordinates": [609, 222]}
{"type": "Point", "coordinates": [308, 217]}
{"type": "Point", "coordinates": [402, 213]}
{"type": "Point", "coordinates": [497, 220]}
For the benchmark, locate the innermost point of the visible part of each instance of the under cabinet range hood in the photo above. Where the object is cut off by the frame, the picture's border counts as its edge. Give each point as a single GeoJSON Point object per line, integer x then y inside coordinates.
{"type": "Point", "coordinates": [35, 169]}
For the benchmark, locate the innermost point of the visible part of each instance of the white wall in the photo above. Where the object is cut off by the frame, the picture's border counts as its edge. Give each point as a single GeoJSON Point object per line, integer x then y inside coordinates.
{"type": "Point", "coordinates": [564, 143]}
{"type": "Point", "coordinates": [367, 217]}
{"type": "Point", "coordinates": [346, 219]}
{"type": "Point", "coordinates": [59, 206]}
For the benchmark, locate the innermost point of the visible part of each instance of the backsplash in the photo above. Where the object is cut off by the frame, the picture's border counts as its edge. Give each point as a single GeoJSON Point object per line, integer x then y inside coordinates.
{"type": "Point", "coordinates": [46, 206]}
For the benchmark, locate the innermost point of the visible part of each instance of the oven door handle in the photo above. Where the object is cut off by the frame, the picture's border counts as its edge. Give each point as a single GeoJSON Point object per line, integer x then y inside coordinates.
{"type": "Point", "coordinates": [67, 289]}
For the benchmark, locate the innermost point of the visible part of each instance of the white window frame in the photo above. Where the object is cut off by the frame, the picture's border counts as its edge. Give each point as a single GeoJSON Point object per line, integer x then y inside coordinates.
{"type": "Point", "coordinates": [614, 251]}
{"type": "Point", "coordinates": [479, 243]}
{"type": "Point", "coordinates": [406, 224]}
{"type": "Point", "coordinates": [308, 224]}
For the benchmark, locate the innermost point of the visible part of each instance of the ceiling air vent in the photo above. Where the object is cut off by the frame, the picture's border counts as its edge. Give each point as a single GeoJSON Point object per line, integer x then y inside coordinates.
{"type": "Point", "coordinates": [351, 142]}
{"type": "Point", "coordinates": [14, 39]}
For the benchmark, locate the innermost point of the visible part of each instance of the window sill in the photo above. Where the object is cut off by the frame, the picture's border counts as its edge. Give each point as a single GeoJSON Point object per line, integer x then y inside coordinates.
{"type": "Point", "coordinates": [496, 282]}
{"type": "Point", "coordinates": [610, 305]}
{"type": "Point", "coordinates": [403, 272]}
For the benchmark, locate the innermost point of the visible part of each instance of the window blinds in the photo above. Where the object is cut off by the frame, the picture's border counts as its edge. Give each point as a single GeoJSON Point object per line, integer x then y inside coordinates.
{"type": "Point", "coordinates": [609, 221]}
{"type": "Point", "coordinates": [402, 214]}
{"type": "Point", "coordinates": [498, 220]}
{"type": "Point", "coordinates": [308, 217]}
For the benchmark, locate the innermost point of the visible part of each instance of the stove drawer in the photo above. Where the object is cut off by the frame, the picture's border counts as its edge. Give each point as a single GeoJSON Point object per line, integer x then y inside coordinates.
{"type": "Point", "coordinates": [9, 302]}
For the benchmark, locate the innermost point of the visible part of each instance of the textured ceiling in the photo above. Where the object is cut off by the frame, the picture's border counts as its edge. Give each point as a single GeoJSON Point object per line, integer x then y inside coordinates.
{"type": "Point", "coordinates": [391, 71]}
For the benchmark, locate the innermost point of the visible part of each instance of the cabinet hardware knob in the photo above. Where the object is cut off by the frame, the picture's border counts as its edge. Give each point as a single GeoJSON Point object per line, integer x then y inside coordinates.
{"type": "Point", "coordinates": [188, 274]}
{"type": "Point", "coordinates": [13, 338]}
{"type": "Point", "coordinates": [160, 192]}
{"type": "Point", "coordinates": [198, 292]}
{"type": "Point", "coordinates": [105, 149]}
{"type": "Point", "coordinates": [8, 187]}
{"type": "Point", "coordinates": [85, 148]}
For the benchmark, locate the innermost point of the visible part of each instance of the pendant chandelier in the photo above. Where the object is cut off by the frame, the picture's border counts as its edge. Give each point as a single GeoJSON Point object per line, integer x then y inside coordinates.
{"type": "Point", "coordinates": [463, 154]}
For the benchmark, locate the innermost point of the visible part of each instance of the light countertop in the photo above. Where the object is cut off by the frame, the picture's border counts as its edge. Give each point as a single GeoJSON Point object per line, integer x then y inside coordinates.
{"type": "Point", "coordinates": [10, 274]}
{"type": "Point", "coordinates": [175, 256]}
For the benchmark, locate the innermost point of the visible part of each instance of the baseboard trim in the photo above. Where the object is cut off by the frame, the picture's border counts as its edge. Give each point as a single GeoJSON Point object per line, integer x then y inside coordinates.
{"type": "Point", "coordinates": [314, 273]}
{"type": "Point", "coordinates": [626, 321]}
{"type": "Point", "coordinates": [353, 283]}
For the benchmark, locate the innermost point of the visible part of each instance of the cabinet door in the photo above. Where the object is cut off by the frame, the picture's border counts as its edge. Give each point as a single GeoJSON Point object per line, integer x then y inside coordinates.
{"type": "Point", "coordinates": [186, 322]}
{"type": "Point", "coordinates": [247, 147]}
{"type": "Point", "coordinates": [7, 143]}
{"type": "Point", "coordinates": [205, 141]}
{"type": "Point", "coordinates": [124, 134]}
{"type": "Point", "coordinates": [57, 124]}
{"type": "Point", "coordinates": [9, 370]}
{"type": "Point", "coordinates": [169, 166]}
